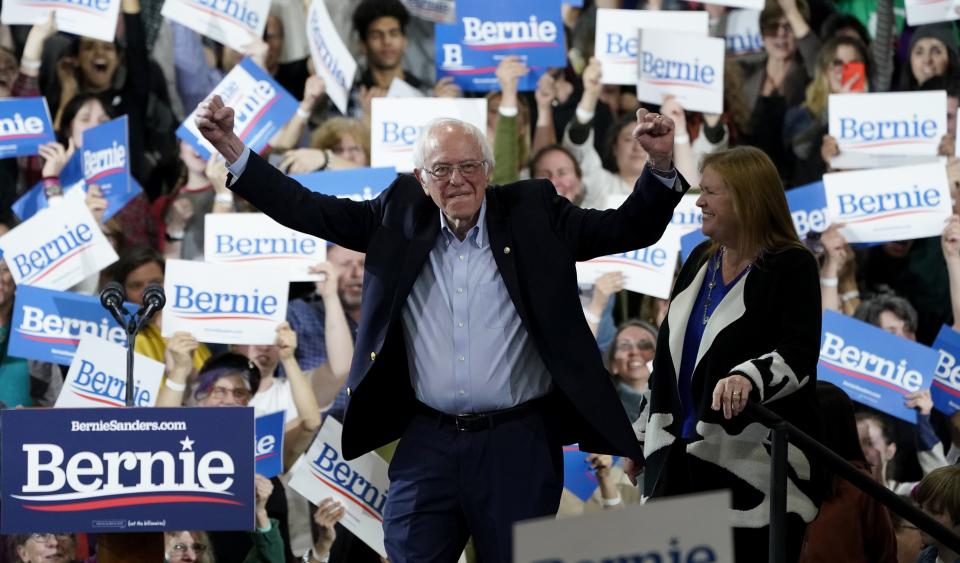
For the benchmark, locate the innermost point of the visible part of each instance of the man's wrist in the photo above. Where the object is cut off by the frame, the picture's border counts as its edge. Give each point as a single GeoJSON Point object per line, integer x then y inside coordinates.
{"type": "Point", "coordinates": [232, 150]}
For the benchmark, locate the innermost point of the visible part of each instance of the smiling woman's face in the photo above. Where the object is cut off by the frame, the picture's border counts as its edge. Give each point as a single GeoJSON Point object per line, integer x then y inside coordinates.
{"type": "Point", "coordinates": [98, 61]}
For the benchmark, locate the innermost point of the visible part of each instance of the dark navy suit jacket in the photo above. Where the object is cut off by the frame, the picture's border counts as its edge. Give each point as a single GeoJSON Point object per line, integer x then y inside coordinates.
{"type": "Point", "coordinates": [536, 237]}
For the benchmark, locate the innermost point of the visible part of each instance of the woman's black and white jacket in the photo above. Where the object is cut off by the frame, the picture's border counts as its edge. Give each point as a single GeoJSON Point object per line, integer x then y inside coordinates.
{"type": "Point", "coordinates": [766, 328]}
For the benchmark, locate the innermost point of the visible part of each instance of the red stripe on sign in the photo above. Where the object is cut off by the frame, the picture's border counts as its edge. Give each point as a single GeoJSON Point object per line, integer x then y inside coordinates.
{"type": "Point", "coordinates": [682, 84]}
{"type": "Point", "coordinates": [225, 318]}
{"type": "Point", "coordinates": [888, 215]}
{"type": "Point", "coordinates": [105, 173]}
{"type": "Point", "coordinates": [518, 45]}
{"type": "Point", "coordinates": [127, 501]}
{"type": "Point", "coordinates": [98, 399]}
{"type": "Point", "coordinates": [468, 71]}
{"type": "Point", "coordinates": [264, 456]}
{"type": "Point", "coordinates": [622, 261]}
{"type": "Point", "coordinates": [51, 339]}
{"type": "Point", "coordinates": [946, 388]}
{"type": "Point", "coordinates": [347, 494]}
{"type": "Point", "coordinates": [888, 143]}
{"type": "Point", "coordinates": [863, 376]}
{"type": "Point", "coordinates": [62, 261]}
{"type": "Point", "coordinates": [256, 118]}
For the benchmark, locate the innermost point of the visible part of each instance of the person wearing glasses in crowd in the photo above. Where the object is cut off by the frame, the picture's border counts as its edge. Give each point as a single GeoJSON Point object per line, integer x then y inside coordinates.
{"type": "Point", "coordinates": [42, 547]}
{"type": "Point", "coordinates": [472, 345]}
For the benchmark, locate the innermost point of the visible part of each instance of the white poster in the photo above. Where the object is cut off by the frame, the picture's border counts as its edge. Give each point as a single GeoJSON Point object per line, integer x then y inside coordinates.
{"type": "Point", "coordinates": [685, 529]}
{"type": "Point", "coordinates": [889, 204]}
{"type": "Point", "coordinates": [234, 24]}
{"type": "Point", "coordinates": [886, 124]}
{"type": "Point", "coordinates": [616, 45]}
{"type": "Point", "coordinates": [920, 12]}
{"type": "Point", "coordinates": [360, 484]}
{"type": "Point", "coordinates": [396, 123]}
{"type": "Point", "coordinates": [648, 270]}
{"type": "Point", "coordinates": [331, 57]}
{"type": "Point", "coordinates": [255, 239]}
{"type": "Point", "coordinates": [401, 89]}
{"type": "Point", "coordinates": [92, 18]}
{"type": "Point", "coordinates": [58, 247]}
{"type": "Point", "coordinates": [742, 32]}
{"type": "Point", "coordinates": [224, 303]}
{"type": "Point", "coordinates": [98, 376]}
{"type": "Point", "coordinates": [755, 5]}
{"type": "Point", "coordinates": [684, 65]}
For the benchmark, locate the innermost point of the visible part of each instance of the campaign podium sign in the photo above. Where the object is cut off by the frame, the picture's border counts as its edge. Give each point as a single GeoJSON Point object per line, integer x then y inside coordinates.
{"type": "Point", "coordinates": [24, 126]}
{"type": "Point", "coordinates": [47, 325]}
{"type": "Point", "coordinates": [91, 18]}
{"type": "Point", "coordinates": [684, 529]}
{"type": "Point", "coordinates": [808, 208]}
{"type": "Point", "coordinates": [58, 247]}
{"type": "Point", "coordinates": [255, 239]}
{"type": "Point", "coordinates": [269, 449]}
{"type": "Point", "coordinates": [126, 469]}
{"type": "Point", "coordinates": [358, 184]}
{"type": "Point", "coordinates": [946, 379]}
{"type": "Point", "coordinates": [262, 107]}
{"type": "Point", "coordinates": [888, 204]}
{"type": "Point", "coordinates": [360, 484]}
{"type": "Point", "coordinates": [486, 32]}
{"type": "Point", "coordinates": [245, 312]}
{"type": "Point", "coordinates": [872, 366]}
{"type": "Point", "coordinates": [235, 23]}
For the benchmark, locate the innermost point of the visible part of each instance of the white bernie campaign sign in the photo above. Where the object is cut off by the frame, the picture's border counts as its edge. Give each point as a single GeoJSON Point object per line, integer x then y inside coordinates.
{"type": "Point", "coordinates": [745, 4]}
{"type": "Point", "coordinates": [331, 57]}
{"type": "Point", "coordinates": [98, 376]}
{"type": "Point", "coordinates": [437, 11]}
{"type": "Point", "coordinates": [399, 88]}
{"type": "Point", "coordinates": [886, 124]}
{"type": "Point", "coordinates": [687, 66]}
{"type": "Point", "coordinates": [396, 123]}
{"type": "Point", "coordinates": [685, 529]}
{"type": "Point", "coordinates": [234, 23]}
{"type": "Point", "coordinates": [742, 32]}
{"type": "Point", "coordinates": [648, 271]}
{"type": "Point", "coordinates": [224, 303]}
{"type": "Point", "coordinates": [360, 484]}
{"type": "Point", "coordinates": [58, 247]}
{"type": "Point", "coordinates": [617, 45]}
{"type": "Point", "coordinates": [920, 12]}
{"type": "Point", "coordinates": [889, 204]}
{"type": "Point", "coordinates": [90, 18]}
{"type": "Point", "coordinates": [255, 239]}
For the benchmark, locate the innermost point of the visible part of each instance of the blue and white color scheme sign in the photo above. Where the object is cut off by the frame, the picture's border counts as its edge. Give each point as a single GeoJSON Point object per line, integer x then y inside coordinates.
{"type": "Point", "coordinates": [889, 123]}
{"type": "Point", "coordinates": [98, 376]}
{"type": "Point", "coordinates": [485, 32]}
{"type": "Point", "coordinates": [127, 470]}
{"type": "Point", "coordinates": [262, 107]}
{"type": "Point", "coordinates": [648, 270]}
{"type": "Point", "coordinates": [358, 184]}
{"type": "Point", "coordinates": [946, 379]}
{"type": "Point", "coordinates": [687, 66]}
{"type": "Point", "coordinates": [331, 57]}
{"type": "Point", "coordinates": [106, 164]}
{"type": "Point", "coordinates": [47, 325]}
{"type": "Point", "coordinates": [90, 18]}
{"type": "Point", "coordinates": [234, 23]}
{"type": "Point", "coordinates": [808, 208]}
{"type": "Point", "coordinates": [255, 239]}
{"type": "Point", "coordinates": [269, 446]}
{"type": "Point", "coordinates": [24, 126]}
{"type": "Point", "coordinates": [874, 367]}
{"type": "Point", "coordinates": [360, 484]}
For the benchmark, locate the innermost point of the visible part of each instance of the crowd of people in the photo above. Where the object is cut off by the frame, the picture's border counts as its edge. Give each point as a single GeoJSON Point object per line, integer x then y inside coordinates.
{"type": "Point", "coordinates": [743, 321]}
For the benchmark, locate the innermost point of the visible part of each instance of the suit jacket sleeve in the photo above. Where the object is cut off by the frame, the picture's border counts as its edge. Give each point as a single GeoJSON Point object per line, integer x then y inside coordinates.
{"type": "Point", "coordinates": [638, 223]}
{"type": "Point", "coordinates": [339, 220]}
{"type": "Point", "coordinates": [793, 362]}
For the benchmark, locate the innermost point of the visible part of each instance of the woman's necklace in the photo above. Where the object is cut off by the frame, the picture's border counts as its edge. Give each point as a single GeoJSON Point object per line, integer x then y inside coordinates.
{"type": "Point", "coordinates": [713, 283]}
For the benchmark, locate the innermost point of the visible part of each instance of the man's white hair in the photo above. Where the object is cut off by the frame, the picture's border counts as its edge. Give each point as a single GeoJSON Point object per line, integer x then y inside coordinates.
{"type": "Point", "coordinates": [427, 140]}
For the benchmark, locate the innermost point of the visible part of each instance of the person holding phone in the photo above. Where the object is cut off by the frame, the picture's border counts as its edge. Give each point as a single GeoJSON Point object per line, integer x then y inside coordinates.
{"type": "Point", "coordinates": [842, 68]}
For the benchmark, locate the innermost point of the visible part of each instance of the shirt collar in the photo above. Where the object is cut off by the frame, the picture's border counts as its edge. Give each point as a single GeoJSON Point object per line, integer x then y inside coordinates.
{"type": "Point", "coordinates": [477, 235]}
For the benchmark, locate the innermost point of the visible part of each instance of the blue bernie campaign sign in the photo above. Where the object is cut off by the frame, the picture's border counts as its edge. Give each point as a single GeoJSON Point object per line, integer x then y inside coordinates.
{"type": "Point", "coordinates": [872, 366]}
{"type": "Point", "coordinates": [690, 241]}
{"type": "Point", "coordinates": [24, 126]}
{"type": "Point", "coordinates": [946, 379]}
{"type": "Point", "coordinates": [358, 184]}
{"type": "Point", "coordinates": [485, 32]}
{"type": "Point", "coordinates": [578, 477]}
{"type": "Point", "coordinates": [47, 324]}
{"type": "Point", "coordinates": [126, 470]}
{"type": "Point", "coordinates": [106, 164]}
{"type": "Point", "coordinates": [269, 445]}
{"type": "Point", "coordinates": [808, 208]}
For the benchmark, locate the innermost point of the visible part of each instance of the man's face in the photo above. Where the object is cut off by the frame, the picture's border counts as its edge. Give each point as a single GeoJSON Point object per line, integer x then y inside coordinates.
{"type": "Point", "coordinates": [457, 194]}
{"type": "Point", "coordinates": [385, 43]}
{"type": "Point", "coordinates": [350, 281]}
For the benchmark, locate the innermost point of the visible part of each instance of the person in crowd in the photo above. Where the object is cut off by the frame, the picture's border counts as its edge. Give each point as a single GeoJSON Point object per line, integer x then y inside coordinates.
{"type": "Point", "coordinates": [729, 337]}
{"type": "Point", "coordinates": [15, 381]}
{"type": "Point", "coordinates": [557, 164]}
{"type": "Point", "coordinates": [452, 164]}
{"type": "Point", "coordinates": [42, 547]}
{"type": "Point", "coordinates": [630, 358]}
{"type": "Point", "coordinates": [805, 126]}
{"type": "Point", "coordinates": [623, 155]}
{"type": "Point", "coordinates": [868, 534]}
{"type": "Point", "coordinates": [947, 148]}
{"type": "Point", "coordinates": [881, 49]}
{"type": "Point", "coordinates": [933, 52]}
{"type": "Point", "coordinates": [508, 118]}
{"type": "Point", "coordinates": [939, 496]}
{"type": "Point", "coordinates": [839, 286]}
{"type": "Point", "coordinates": [338, 143]}
{"type": "Point", "coordinates": [195, 547]}
{"type": "Point", "coordinates": [909, 539]}
{"type": "Point", "coordinates": [777, 80]}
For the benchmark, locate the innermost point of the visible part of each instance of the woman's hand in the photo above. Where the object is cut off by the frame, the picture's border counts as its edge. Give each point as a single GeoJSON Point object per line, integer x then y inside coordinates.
{"type": "Point", "coordinates": [731, 394]}
{"type": "Point", "coordinates": [55, 157]}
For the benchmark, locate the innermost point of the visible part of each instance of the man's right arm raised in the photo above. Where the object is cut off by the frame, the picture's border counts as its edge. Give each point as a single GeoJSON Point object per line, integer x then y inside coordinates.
{"type": "Point", "coordinates": [339, 220]}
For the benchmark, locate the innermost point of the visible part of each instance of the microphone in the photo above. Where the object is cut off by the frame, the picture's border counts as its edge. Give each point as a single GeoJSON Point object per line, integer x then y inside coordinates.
{"type": "Point", "coordinates": [111, 298]}
{"type": "Point", "coordinates": [153, 300]}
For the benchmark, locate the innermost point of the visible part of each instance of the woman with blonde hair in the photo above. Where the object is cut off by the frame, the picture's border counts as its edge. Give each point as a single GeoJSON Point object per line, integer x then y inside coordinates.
{"type": "Point", "coordinates": [743, 324]}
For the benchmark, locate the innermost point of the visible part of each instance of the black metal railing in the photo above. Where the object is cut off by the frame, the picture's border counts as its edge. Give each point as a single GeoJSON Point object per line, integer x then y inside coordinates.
{"type": "Point", "coordinates": [784, 432]}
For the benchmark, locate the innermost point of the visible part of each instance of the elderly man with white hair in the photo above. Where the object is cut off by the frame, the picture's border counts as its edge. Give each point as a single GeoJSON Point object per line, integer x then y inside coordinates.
{"type": "Point", "coordinates": [472, 345]}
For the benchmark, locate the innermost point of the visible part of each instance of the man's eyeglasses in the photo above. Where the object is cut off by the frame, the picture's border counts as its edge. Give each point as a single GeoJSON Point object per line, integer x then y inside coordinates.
{"type": "Point", "coordinates": [43, 538]}
{"type": "Point", "coordinates": [628, 345]}
{"type": "Point", "coordinates": [183, 547]}
{"type": "Point", "coordinates": [466, 168]}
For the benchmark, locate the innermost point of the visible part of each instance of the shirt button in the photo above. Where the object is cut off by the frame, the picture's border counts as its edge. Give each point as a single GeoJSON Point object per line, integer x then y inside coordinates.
{"type": "Point", "coordinates": [462, 392]}
{"type": "Point", "coordinates": [373, 356]}
{"type": "Point", "coordinates": [462, 359]}
{"type": "Point", "coordinates": [349, 391]}
{"type": "Point", "coordinates": [459, 290]}
{"type": "Point", "coordinates": [461, 257]}
{"type": "Point", "coordinates": [460, 324]}
{"type": "Point", "coordinates": [506, 250]}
